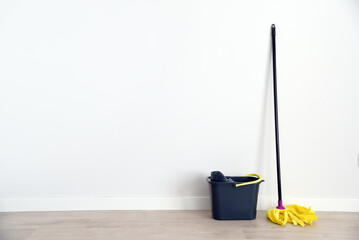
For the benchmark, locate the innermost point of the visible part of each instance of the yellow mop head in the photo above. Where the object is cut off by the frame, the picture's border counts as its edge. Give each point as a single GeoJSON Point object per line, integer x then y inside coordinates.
{"type": "Point", "coordinates": [292, 214]}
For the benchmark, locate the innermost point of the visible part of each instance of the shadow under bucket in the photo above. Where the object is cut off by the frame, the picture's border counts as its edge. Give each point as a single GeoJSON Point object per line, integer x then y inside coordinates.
{"type": "Point", "coordinates": [235, 199]}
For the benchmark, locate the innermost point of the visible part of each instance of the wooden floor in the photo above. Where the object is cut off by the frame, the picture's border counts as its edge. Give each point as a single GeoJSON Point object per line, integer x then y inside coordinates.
{"type": "Point", "coordinates": [132, 225]}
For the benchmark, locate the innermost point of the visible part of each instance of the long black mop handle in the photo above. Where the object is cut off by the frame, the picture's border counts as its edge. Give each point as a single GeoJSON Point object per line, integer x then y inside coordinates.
{"type": "Point", "coordinates": [276, 116]}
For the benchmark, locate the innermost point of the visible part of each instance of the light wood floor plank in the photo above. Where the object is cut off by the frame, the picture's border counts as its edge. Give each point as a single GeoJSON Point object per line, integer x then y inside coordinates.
{"type": "Point", "coordinates": [148, 225]}
{"type": "Point", "coordinates": [18, 234]}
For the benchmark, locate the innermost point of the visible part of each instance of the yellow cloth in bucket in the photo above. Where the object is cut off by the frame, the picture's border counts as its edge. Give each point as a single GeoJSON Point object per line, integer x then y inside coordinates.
{"type": "Point", "coordinates": [292, 214]}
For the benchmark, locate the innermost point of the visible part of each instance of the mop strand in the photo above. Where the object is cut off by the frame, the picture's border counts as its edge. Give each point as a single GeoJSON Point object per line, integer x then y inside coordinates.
{"type": "Point", "coordinates": [292, 214]}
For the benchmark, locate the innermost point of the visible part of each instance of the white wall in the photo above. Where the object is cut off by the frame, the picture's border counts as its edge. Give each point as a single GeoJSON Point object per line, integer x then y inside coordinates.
{"type": "Point", "coordinates": [146, 98]}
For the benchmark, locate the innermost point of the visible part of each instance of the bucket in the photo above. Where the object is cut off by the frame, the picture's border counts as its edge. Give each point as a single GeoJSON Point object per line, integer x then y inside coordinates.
{"type": "Point", "coordinates": [237, 199]}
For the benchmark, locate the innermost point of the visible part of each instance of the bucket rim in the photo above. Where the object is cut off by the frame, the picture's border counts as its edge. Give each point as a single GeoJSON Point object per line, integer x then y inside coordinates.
{"type": "Point", "coordinates": [234, 183]}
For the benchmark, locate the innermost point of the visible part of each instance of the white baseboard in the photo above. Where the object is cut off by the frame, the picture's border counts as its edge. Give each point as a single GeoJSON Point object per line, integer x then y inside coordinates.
{"type": "Point", "coordinates": [317, 204]}
{"type": "Point", "coordinates": [160, 203]}
{"type": "Point", "coordinates": [104, 203]}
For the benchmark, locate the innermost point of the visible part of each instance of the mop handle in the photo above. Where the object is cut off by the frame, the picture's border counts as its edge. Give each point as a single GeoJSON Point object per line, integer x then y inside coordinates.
{"type": "Point", "coordinates": [276, 113]}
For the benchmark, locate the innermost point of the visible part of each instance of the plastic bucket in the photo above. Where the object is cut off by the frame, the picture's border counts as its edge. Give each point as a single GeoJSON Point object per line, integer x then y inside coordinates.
{"type": "Point", "coordinates": [235, 200]}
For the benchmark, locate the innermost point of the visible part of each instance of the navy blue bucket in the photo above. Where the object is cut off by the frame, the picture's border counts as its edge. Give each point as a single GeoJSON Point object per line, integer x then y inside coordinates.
{"type": "Point", "coordinates": [237, 199]}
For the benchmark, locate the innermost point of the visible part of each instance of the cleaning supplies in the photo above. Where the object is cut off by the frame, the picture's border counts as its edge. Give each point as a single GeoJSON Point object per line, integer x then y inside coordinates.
{"type": "Point", "coordinates": [234, 198]}
{"type": "Point", "coordinates": [292, 213]}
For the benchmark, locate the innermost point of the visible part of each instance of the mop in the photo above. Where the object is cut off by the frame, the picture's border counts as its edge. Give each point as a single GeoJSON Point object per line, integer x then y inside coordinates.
{"type": "Point", "coordinates": [294, 214]}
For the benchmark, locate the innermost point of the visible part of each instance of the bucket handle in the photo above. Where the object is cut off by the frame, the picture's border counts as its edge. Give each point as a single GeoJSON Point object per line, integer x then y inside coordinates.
{"type": "Point", "coordinates": [260, 178]}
